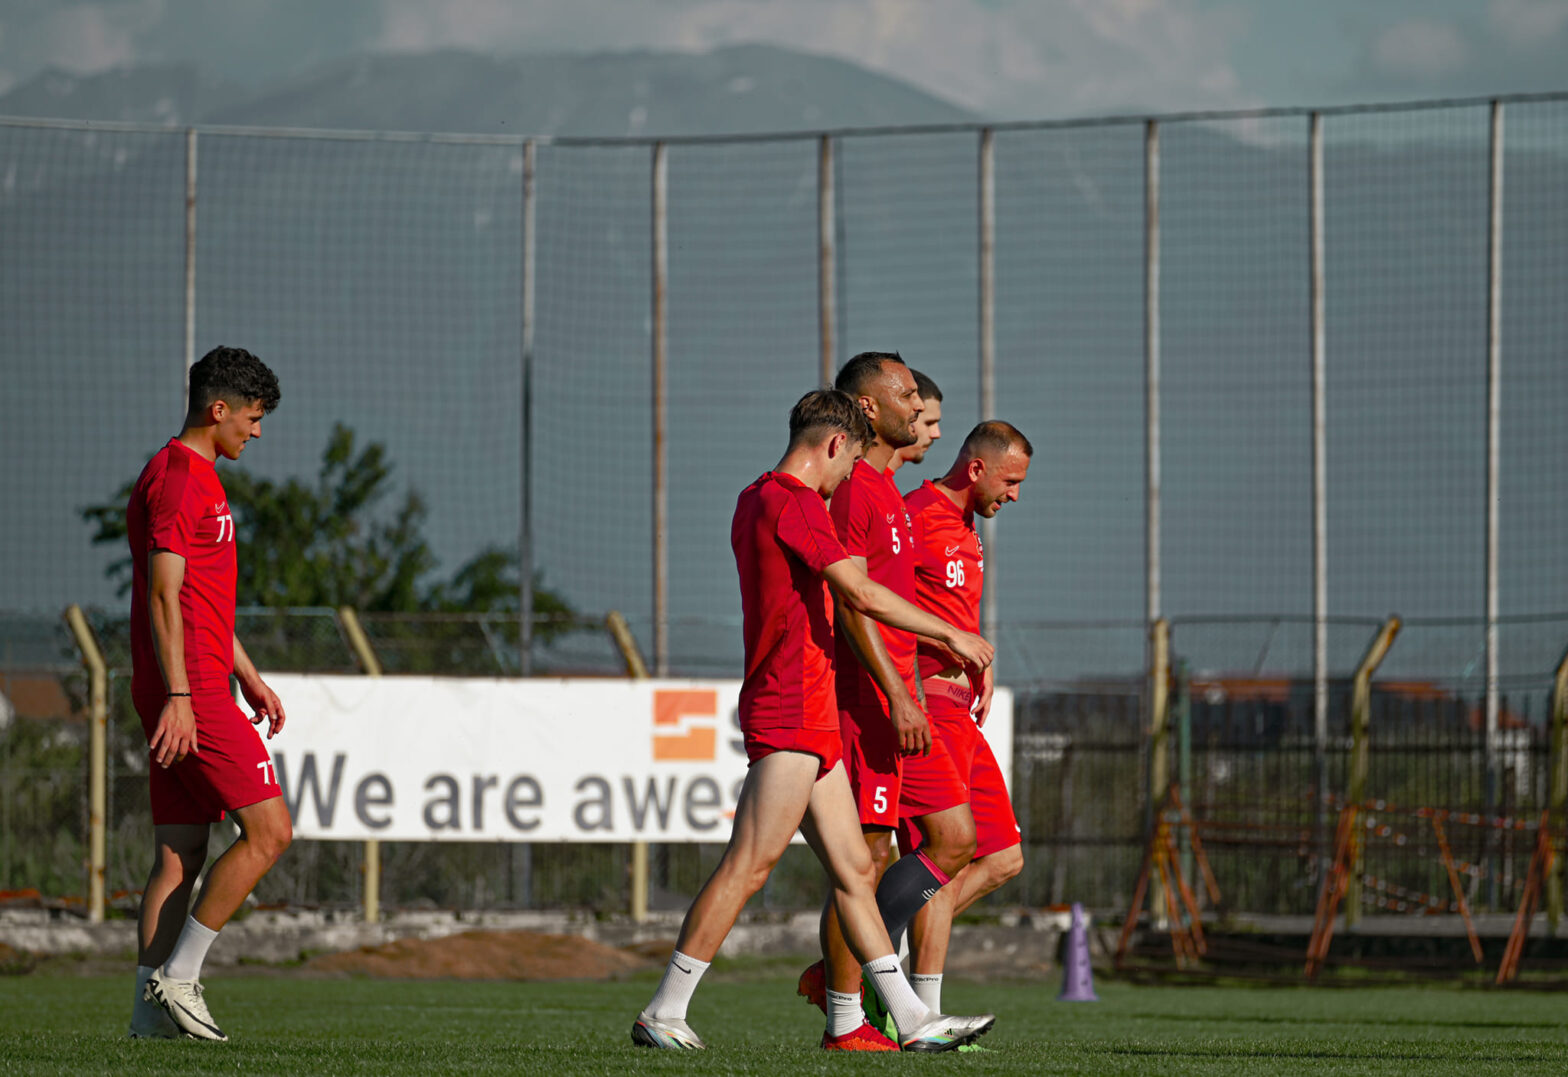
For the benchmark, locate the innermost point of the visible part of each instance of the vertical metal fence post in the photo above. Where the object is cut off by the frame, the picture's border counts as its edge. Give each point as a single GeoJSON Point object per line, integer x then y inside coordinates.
{"type": "Point", "coordinates": [1157, 643]}
{"type": "Point", "coordinates": [525, 521]}
{"type": "Point", "coordinates": [987, 367]}
{"type": "Point", "coordinates": [1360, 748]}
{"type": "Point", "coordinates": [661, 268]}
{"type": "Point", "coordinates": [1319, 496]}
{"type": "Point", "coordinates": [1151, 368]}
{"type": "Point", "coordinates": [827, 262]}
{"type": "Point", "coordinates": [348, 617]}
{"type": "Point", "coordinates": [190, 260]}
{"type": "Point", "coordinates": [97, 758]}
{"type": "Point", "coordinates": [1494, 393]}
{"type": "Point", "coordinates": [523, 858]}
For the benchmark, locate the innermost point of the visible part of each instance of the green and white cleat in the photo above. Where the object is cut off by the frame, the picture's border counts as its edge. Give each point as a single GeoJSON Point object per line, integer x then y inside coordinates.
{"type": "Point", "coordinates": [668, 1032]}
{"type": "Point", "coordinates": [182, 1001]}
{"type": "Point", "coordinates": [877, 1015]}
{"type": "Point", "coordinates": [943, 1033]}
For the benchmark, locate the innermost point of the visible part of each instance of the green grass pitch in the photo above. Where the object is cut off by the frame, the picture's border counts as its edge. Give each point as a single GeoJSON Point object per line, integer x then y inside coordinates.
{"type": "Point", "coordinates": [754, 1024]}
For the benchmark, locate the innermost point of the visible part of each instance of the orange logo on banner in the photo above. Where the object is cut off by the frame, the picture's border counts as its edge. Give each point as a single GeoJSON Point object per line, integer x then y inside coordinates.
{"type": "Point", "coordinates": [676, 735]}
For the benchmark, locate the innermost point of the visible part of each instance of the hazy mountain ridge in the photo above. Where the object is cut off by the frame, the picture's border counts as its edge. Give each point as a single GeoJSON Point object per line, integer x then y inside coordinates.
{"type": "Point", "coordinates": [726, 91]}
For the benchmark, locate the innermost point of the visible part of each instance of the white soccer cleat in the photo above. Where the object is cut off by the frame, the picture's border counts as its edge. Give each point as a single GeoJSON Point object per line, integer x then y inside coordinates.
{"type": "Point", "coordinates": [150, 1022]}
{"type": "Point", "coordinates": [182, 1001]}
{"type": "Point", "coordinates": [943, 1033]}
{"type": "Point", "coordinates": [668, 1032]}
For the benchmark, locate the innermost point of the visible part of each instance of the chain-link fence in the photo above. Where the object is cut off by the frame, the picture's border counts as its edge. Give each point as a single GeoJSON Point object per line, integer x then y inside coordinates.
{"type": "Point", "coordinates": [1296, 369]}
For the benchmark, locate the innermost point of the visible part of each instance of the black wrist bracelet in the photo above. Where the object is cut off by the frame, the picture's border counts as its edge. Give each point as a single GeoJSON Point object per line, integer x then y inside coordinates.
{"type": "Point", "coordinates": [187, 695]}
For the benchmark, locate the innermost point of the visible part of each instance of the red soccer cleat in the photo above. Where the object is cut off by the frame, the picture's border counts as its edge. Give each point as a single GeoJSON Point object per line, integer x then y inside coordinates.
{"type": "Point", "coordinates": [813, 987]}
{"type": "Point", "coordinates": [864, 1038]}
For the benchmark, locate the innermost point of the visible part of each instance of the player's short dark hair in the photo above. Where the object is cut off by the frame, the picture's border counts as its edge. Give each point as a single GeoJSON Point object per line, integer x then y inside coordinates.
{"type": "Point", "coordinates": [823, 412]}
{"type": "Point", "coordinates": [234, 376]}
{"type": "Point", "coordinates": [855, 375]}
{"type": "Point", "coordinates": [927, 388]}
{"type": "Point", "coordinates": [994, 437]}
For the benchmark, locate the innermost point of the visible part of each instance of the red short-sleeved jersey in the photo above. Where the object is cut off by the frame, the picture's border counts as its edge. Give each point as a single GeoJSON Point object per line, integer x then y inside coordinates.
{"type": "Point", "coordinates": [949, 566]}
{"type": "Point", "coordinates": [179, 505]}
{"type": "Point", "coordinates": [783, 540]}
{"type": "Point", "coordinates": [869, 513]}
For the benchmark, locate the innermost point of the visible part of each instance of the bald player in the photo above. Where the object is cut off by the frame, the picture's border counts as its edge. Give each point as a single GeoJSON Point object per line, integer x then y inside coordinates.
{"type": "Point", "coordinates": [990, 469]}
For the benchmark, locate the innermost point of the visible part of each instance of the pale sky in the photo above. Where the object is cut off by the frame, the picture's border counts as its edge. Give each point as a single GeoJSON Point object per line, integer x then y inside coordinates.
{"type": "Point", "coordinates": [1001, 58]}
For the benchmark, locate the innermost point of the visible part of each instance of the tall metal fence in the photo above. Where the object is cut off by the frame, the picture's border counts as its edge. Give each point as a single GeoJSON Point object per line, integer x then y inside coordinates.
{"type": "Point", "coordinates": [1297, 369]}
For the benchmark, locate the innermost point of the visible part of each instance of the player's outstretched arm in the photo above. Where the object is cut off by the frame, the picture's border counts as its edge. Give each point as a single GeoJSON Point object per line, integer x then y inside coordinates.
{"type": "Point", "coordinates": [263, 700]}
{"type": "Point", "coordinates": [864, 595]}
{"type": "Point", "coordinates": [175, 735]}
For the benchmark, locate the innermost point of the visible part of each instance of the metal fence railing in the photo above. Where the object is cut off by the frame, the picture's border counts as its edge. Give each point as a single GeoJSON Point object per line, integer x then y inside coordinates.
{"type": "Point", "coordinates": [1242, 745]}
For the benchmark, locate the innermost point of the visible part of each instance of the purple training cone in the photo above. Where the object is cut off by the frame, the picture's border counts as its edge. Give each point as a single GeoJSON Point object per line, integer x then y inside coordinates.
{"type": "Point", "coordinates": [1077, 974]}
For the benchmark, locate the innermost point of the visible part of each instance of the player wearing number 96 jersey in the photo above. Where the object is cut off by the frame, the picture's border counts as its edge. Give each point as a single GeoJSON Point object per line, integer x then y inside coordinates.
{"type": "Point", "coordinates": [949, 574]}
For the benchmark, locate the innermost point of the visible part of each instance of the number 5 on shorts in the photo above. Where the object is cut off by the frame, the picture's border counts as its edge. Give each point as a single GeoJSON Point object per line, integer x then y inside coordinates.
{"type": "Point", "coordinates": [879, 800]}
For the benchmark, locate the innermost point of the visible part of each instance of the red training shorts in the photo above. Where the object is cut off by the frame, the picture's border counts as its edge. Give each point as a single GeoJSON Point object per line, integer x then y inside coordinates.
{"type": "Point", "coordinates": [229, 769]}
{"type": "Point", "coordinates": [872, 759]}
{"type": "Point", "coordinates": [996, 827]}
{"type": "Point", "coordinates": [825, 744]}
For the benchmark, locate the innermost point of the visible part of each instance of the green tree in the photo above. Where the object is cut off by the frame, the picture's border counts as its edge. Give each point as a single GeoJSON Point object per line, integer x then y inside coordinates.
{"type": "Point", "coordinates": [327, 544]}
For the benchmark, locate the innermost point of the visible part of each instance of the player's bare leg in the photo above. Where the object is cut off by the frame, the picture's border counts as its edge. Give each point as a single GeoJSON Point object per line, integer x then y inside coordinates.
{"type": "Point", "coordinates": [931, 929]}
{"type": "Point", "coordinates": [180, 852]}
{"type": "Point", "coordinates": [948, 838]}
{"type": "Point", "coordinates": [265, 832]}
{"type": "Point", "coordinates": [843, 970]}
{"type": "Point", "coordinates": [773, 801]}
{"type": "Point", "coordinates": [166, 899]}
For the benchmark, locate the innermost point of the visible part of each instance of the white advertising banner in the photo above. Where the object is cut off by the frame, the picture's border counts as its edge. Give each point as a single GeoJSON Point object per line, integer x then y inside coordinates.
{"type": "Point", "coordinates": [456, 759]}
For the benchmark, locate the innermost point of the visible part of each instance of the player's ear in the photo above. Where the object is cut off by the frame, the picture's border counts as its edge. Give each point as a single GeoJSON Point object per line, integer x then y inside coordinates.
{"type": "Point", "coordinates": [975, 469]}
{"type": "Point", "coordinates": [836, 444]}
{"type": "Point", "coordinates": [218, 410]}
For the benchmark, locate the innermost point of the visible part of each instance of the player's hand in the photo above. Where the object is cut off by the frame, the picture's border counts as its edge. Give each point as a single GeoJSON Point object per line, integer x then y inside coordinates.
{"type": "Point", "coordinates": [910, 725]}
{"type": "Point", "coordinates": [175, 736]}
{"type": "Point", "coordinates": [983, 703]}
{"type": "Point", "coordinates": [266, 704]}
{"type": "Point", "coordinates": [975, 652]}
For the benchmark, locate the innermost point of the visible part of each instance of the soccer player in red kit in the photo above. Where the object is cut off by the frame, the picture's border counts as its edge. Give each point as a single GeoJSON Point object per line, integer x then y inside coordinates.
{"type": "Point", "coordinates": [928, 425]}
{"type": "Point", "coordinates": [880, 711]}
{"type": "Point", "coordinates": [991, 466]}
{"type": "Point", "coordinates": [785, 549]}
{"type": "Point", "coordinates": [206, 758]}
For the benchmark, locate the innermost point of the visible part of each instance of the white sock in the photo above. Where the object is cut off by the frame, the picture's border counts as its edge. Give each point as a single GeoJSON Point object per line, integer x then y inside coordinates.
{"type": "Point", "coordinates": [883, 974]}
{"type": "Point", "coordinates": [142, 972]}
{"type": "Point", "coordinates": [674, 993]}
{"type": "Point", "coordinates": [844, 1013]}
{"type": "Point", "coordinates": [929, 989]}
{"type": "Point", "coordinates": [190, 950]}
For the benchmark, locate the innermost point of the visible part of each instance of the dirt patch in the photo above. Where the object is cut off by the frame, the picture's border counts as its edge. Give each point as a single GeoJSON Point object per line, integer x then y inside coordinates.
{"type": "Point", "coordinates": [488, 955]}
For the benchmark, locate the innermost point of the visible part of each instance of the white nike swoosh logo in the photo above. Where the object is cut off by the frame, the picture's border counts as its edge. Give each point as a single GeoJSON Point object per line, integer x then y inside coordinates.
{"type": "Point", "coordinates": [951, 550]}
